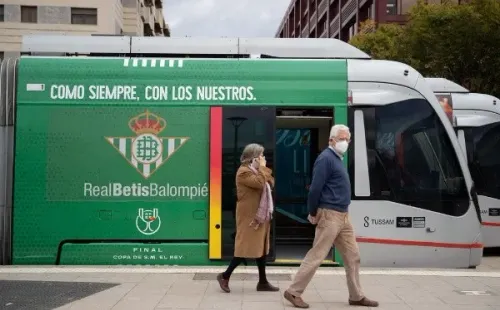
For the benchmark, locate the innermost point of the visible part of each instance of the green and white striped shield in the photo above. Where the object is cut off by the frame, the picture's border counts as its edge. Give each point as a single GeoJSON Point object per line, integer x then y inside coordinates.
{"type": "Point", "coordinates": [147, 152]}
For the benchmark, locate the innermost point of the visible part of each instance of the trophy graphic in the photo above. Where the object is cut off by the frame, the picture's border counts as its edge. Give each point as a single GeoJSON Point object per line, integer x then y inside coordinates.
{"type": "Point", "coordinates": [148, 222]}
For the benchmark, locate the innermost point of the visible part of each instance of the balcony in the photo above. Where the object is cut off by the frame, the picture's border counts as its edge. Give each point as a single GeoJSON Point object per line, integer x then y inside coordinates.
{"type": "Point", "coordinates": [334, 25]}
{"type": "Point", "coordinates": [313, 20]}
{"type": "Point", "coordinates": [147, 16]}
{"type": "Point", "coordinates": [158, 17]}
{"type": "Point", "coordinates": [348, 11]}
{"type": "Point", "coordinates": [305, 32]}
{"type": "Point", "coordinates": [322, 7]}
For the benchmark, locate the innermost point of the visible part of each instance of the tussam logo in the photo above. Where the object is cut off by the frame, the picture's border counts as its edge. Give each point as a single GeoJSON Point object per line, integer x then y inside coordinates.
{"type": "Point", "coordinates": [146, 152]}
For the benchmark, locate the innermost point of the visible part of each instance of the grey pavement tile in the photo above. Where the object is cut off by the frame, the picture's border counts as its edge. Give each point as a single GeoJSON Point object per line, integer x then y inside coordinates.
{"type": "Point", "coordinates": [24, 276]}
{"type": "Point", "coordinates": [412, 296]}
{"type": "Point", "coordinates": [180, 302]}
{"type": "Point", "coordinates": [64, 277]}
{"type": "Point", "coordinates": [160, 278]}
{"type": "Point", "coordinates": [491, 282]}
{"type": "Point", "coordinates": [337, 305]}
{"type": "Point", "coordinates": [41, 295]}
{"type": "Point", "coordinates": [128, 277]}
{"type": "Point", "coordinates": [368, 279]}
{"type": "Point", "coordinates": [144, 296]}
{"type": "Point", "coordinates": [103, 300]}
{"type": "Point", "coordinates": [220, 305]}
{"type": "Point", "coordinates": [431, 283]}
{"type": "Point", "coordinates": [329, 283]}
{"type": "Point", "coordinates": [457, 299]}
{"type": "Point", "coordinates": [221, 297]}
{"type": "Point", "coordinates": [397, 282]}
{"type": "Point", "coordinates": [337, 296]}
{"type": "Point", "coordinates": [262, 305]}
{"type": "Point", "coordinates": [188, 288]}
{"type": "Point", "coordinates": [96, 277]}
{"type": "Point", "coordinates": [262, 296]}
{"type": "Point", "coordinates": [448, 307]}
{"type": "Point", "coordinates": [465, 283]}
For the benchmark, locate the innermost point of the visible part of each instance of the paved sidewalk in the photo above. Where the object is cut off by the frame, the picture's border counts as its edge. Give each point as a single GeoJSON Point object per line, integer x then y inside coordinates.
{"type": "Point", "coordinates": [151, 287]}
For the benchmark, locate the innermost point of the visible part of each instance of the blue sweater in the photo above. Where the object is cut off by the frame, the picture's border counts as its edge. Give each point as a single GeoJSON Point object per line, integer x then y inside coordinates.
{"type": "Point", "coordinates": [330, 186]}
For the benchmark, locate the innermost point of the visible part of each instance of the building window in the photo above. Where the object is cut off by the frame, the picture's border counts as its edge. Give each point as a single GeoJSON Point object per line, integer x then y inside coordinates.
{"type": "Point", "coordinates": [29, 14]}
{"type": "Point", "coordinates": [2, 55]}
{"type": "Point", "coordinates": [2, 16]}
{"type": "Point", "coordinates": [83, 16]}
{"type": "Point", "coordinates": [392, 7]}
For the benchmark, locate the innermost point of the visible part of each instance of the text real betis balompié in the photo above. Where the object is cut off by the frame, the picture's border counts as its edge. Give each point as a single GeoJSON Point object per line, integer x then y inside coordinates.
{"type": "Point", "coordinates": [145, 190]}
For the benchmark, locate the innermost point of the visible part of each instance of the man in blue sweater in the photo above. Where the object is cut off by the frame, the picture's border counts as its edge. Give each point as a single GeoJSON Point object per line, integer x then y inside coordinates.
{"type": "Point", "coordinates": [328, 203]}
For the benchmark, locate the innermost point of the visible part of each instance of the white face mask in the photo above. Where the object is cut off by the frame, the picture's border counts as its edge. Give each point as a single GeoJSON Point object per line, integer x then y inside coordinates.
{"type": "Point", "coordinates": [341, 146]}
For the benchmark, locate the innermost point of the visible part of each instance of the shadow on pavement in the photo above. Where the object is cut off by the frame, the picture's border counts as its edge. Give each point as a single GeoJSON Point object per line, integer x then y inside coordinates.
{"type": "Point", "coordinates": [41, 295]}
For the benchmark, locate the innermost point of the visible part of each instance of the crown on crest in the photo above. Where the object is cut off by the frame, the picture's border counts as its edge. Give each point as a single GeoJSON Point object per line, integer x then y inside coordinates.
{"type": "Point", "coordinates": [147, 122]}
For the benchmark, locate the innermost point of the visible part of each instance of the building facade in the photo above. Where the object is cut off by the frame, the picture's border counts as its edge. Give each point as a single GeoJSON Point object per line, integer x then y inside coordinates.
{"type": "Point", "coordinates": [77, 17]}
{"type": "Point", "coordinates": [340, 19]}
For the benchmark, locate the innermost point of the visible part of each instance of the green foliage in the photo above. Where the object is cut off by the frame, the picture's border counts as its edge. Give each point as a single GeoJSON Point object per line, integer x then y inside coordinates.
{"type": "Point", "coordinates": [457, 42]}
{"type": "Point", "coordinates": [380, 43]}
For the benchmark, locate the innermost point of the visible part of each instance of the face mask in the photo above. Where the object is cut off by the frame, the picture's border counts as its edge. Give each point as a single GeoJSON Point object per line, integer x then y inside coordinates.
{"type": "Point", "coordinates": [342, 146]}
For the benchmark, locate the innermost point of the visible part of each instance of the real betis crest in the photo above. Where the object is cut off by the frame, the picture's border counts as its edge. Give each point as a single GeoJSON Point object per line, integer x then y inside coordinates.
{"type": "Point", "coordinates": [146, 152]}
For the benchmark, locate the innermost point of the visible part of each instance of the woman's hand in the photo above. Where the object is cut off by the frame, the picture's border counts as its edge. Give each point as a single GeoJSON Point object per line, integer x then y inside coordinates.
{"type": "Point", "coordinates": [256, 163]}
{"type": "Point", "coordinates": [262, 161]}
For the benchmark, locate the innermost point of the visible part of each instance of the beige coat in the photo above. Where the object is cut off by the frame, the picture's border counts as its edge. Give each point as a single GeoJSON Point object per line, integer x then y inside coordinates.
{"type": "Point", "coordinates": [251, 243]}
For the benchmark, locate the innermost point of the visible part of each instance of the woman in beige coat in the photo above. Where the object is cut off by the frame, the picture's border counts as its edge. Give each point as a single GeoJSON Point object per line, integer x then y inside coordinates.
{"type": "Point", "coordinates": [253, 215]}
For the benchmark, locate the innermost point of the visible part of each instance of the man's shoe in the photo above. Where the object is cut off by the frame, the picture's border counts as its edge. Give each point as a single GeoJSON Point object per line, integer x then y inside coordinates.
{"type": "Point", "coordinates": [266, 287]}
{"type": "Point", "coordinates": [297, 302]}
{"type": "Point", "coordinates": [365, 302]}
{"type": "Point", "coordinates": [224, 284]}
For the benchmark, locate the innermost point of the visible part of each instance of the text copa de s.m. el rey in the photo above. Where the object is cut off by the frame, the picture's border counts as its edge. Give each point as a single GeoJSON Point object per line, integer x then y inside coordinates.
{"type": "Point", "coordinates": [152, 93]}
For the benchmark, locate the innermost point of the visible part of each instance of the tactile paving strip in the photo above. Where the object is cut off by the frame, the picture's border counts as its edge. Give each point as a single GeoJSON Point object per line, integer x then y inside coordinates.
{"type": "Point", "coordinates": [250, 270]}
{"type": "Point", "coordinates": [243, 276]}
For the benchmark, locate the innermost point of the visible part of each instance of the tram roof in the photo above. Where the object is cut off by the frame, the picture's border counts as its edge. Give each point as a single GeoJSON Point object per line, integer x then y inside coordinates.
{"type": "Point", "coordinates": [96, 45]}
{"type": "Point", "coordinates": [442, 85]}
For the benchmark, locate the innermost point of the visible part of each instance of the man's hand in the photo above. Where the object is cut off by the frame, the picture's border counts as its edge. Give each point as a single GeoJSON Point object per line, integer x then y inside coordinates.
{"type": "Point", "coordinates": [312, 219]}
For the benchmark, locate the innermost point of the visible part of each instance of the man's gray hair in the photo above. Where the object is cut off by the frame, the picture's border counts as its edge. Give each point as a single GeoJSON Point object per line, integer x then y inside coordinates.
{"type": "Point", "coordinates": [251, 151]}
{"type": "Point", "coordinates": [338, 128]}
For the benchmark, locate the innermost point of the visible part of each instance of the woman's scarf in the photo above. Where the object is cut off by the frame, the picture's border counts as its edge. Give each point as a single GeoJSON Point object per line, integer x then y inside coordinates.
{"type": "Point", "coordinates": [266, 206]}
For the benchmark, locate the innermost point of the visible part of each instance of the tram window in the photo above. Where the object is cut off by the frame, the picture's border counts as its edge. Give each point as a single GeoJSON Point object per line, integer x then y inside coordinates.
{"type": "Point", "coordinates": [411, 159]}
{"type": "Point", "coordinates": [241, 126]}
{"type": "Point", "coordinates": [483, 147]}
{"type": "Point", "coordinates": [379, 184]}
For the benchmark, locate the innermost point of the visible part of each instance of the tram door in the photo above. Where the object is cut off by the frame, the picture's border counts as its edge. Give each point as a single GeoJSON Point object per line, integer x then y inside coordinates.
{"type": "Point", "coordinates": [292, 139]}
{"type": "Point", "coordinates": [301, 134]}
{"type": "Point", "coordinates": [241, 126]}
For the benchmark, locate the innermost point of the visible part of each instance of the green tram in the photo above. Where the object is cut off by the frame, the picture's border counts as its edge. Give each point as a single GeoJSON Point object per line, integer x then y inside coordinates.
{"type": "Point", "coordinates": [126, 150]}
